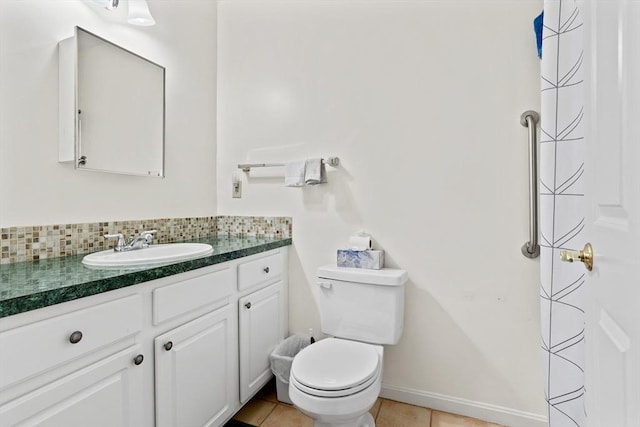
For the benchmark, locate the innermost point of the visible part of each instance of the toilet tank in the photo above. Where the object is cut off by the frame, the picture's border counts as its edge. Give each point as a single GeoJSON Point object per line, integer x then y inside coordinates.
{"type": "Point", "coordinates": [362, 305]}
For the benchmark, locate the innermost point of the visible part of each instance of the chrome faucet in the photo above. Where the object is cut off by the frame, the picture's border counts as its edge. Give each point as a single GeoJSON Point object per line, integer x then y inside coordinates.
{"type": "Point", "coordinates": [140, 241]}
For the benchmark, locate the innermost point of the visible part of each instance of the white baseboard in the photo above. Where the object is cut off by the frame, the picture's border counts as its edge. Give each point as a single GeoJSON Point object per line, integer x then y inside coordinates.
{"type": "Point", "coordinates": [480, 410]}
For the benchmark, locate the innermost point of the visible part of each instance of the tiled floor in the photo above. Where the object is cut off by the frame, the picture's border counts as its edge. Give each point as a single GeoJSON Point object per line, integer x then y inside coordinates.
{"type": "Point", "coordinates": [264, 410]}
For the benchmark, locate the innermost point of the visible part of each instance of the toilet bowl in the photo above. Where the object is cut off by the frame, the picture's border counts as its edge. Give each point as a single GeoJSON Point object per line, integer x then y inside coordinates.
{"type": "Point", "coordinates": [336, 382]}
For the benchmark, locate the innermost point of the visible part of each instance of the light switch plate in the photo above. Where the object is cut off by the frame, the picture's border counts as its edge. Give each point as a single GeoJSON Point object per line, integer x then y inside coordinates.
{"type": "Point", "coordinates": [236, 189]}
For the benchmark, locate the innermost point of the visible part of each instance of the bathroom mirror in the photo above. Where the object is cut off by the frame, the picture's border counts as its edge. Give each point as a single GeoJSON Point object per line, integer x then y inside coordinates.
{"type": "Point", "coordinates": [111, 107]}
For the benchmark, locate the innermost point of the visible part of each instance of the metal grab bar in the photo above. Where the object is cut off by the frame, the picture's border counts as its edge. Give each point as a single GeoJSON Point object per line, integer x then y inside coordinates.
{"type": "Point", "coordinates": [246, 167]}
{"type": "Point", "coordinates": [530, 119]}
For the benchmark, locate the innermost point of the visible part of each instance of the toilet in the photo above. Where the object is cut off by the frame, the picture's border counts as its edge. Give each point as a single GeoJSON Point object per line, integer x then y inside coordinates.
{"type": "Point", "coordinates": [336, 381]}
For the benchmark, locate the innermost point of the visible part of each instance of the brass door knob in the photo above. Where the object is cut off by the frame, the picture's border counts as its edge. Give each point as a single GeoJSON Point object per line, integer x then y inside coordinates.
{"type": "Point", "coordinates": [585, 256]}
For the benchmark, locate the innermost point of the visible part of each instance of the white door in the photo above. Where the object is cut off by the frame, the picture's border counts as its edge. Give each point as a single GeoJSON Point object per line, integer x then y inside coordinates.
{"type": "Point", "coordinates": [260, 330]}
{"type": "Point", "coordinates": [195, 372]}
{"type": "Point", "coordinates": [105, 394]}
{"type": "Point", "coordinates": [612, 58]}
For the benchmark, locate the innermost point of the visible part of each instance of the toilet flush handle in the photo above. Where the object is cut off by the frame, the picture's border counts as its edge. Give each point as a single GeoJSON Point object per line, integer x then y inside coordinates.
{"type": "Point", "coordinates": [325, 285]}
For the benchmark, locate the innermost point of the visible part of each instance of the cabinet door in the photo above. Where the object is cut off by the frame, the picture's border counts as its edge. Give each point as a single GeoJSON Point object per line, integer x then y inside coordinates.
{"type": "Point", "coordinates": [107, 393]}
{"type": "Point", "coordinates": [260, 329]}
{"type": "Point", "coordinates": [194, 372]}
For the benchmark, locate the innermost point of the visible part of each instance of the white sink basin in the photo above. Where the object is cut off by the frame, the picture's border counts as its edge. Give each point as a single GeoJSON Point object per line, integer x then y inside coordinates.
{"type": "Point", "coordinates": [154, 254]}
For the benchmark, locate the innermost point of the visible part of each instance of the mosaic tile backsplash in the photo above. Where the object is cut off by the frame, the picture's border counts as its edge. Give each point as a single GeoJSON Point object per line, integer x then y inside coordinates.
{"type": "Point", "coordinates": [254, 226]}
{"type": "Point", "coordinates": [31, 243]}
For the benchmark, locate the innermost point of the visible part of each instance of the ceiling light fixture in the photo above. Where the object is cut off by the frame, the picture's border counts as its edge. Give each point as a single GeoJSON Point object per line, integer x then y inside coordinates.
{"type": "Point", "coordinates": [139, 13]}
{"type": "Point", "coordinates": [109, 4]}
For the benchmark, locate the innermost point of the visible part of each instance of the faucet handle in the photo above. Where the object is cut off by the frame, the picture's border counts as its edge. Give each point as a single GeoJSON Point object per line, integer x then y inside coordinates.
{"type": "Point", "coordinates": [120, 243]}
{"type": "Point", "coordinates": [148, 235]}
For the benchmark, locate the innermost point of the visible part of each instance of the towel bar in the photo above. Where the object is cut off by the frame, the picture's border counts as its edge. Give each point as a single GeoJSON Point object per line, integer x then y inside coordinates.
{"type": "Point", "coordinates": [246, 167]}
{"type": "Point", "coordinates": [530, 119]}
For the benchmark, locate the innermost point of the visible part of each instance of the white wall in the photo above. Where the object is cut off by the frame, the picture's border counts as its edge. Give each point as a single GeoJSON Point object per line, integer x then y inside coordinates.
{"type": "Point", "coordinates": [421, 101]}
{"type": "Point", "coordinates": [34, 188]}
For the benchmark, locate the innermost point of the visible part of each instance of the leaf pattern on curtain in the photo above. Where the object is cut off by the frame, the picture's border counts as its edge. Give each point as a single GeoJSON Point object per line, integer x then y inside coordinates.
{"type": "Point", "coordinates": [561, 212]}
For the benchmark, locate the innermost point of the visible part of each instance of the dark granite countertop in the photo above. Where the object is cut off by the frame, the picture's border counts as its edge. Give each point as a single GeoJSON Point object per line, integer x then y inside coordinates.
{"type": "Point", "coordinates": [28, 286]}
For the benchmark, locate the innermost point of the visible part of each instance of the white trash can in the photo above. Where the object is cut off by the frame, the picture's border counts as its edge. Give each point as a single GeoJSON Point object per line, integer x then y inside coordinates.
{"type": "Point", "coordinates": [281, 359]}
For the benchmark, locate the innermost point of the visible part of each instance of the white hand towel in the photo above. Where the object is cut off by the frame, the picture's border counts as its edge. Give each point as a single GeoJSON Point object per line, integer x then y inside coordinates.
{"type": "Point", "coordinates": [294, 173]}
{"type": "Point", "coordinates": [315, 172]}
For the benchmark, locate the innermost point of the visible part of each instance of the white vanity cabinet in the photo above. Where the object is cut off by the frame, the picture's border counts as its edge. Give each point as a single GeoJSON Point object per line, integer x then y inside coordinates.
{"type": "Point", "coordinates": [107, 392]}
{"type": "Point", "coordinates": [258, 313]}
{"type": "Point", "coordinates": [195, 362]}
{"type": "Point", "coordinates": [194, 372]}
{"type": "Point", "coordinates": [62, 370]}
{"type": "Point", "coordinates": [165, 353]}
{"type": "Point", "coordinates": [261, 317]}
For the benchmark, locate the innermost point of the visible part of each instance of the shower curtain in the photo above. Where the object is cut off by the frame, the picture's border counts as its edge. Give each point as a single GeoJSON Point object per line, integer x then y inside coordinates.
{"type": "Point", "coordinates": [561, 212]}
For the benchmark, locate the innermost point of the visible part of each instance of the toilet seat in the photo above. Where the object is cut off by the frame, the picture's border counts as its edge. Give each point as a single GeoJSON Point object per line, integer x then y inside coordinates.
{"type": "Point", "coordinates": [335, 368]}
{"type": "Point", "coordinates": [333, 393]}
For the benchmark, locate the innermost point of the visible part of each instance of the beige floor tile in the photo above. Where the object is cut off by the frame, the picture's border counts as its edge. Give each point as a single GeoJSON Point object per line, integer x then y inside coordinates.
{"type": "Point", "coordinates": [287, 416]}
{"type": "Point", "coordinates": [376, 408]}
{"type": "Point", "coordinates": [268, 392]}
{"type": "Point", "coordinates": [396, 414]}
{"type": "Point", "coordinates": [255, 412]}
{"type": "Point", "coordinates": [443, 419]}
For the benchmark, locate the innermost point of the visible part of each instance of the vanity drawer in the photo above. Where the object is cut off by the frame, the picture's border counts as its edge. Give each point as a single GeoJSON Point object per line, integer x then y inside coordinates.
{"type": "Point", "coordinates": [32, 349]}
{"type": "Point", "coordinates": [259, 271]}
{"type": "Point", "coordinates": [211, 289]}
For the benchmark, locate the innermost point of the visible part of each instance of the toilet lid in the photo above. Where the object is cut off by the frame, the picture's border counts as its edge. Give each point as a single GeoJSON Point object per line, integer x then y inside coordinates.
{"type": "Point", "coordinates": [334, 364]}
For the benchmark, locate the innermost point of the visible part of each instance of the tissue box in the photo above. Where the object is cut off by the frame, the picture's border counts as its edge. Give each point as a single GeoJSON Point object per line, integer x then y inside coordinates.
{"type": "Point", "coordinates": [371, 259]}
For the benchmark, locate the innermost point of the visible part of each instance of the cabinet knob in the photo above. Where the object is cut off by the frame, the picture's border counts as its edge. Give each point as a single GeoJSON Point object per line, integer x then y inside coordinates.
{"type": "Point", "coordinates": [266, 269]}
{"type": "Point", "coordinates": [75, 337]}
{"type": "Point", "coordinates": [168, 345]}
{"type": "Point", "coordinates": [248, 305]}
{"type": "Point", "coordinates": [138, 359]}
